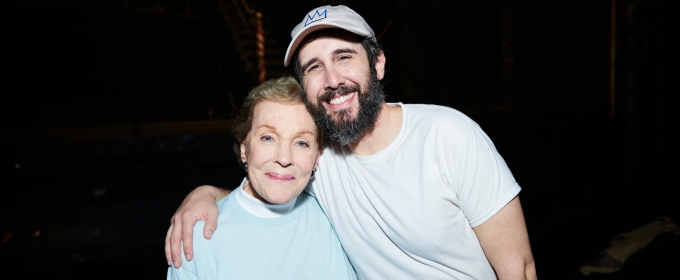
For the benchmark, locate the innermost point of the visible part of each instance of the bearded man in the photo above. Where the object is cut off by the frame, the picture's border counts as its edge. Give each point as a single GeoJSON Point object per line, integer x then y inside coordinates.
{"type": "Point", "coordinates": [413, 191]}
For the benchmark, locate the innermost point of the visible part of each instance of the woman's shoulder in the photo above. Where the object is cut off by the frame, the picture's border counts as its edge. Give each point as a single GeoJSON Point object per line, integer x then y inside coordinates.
{"type": "Point", "coordinates": [310, 203]}
{"type": "Point", "coordinates": [228, 199]}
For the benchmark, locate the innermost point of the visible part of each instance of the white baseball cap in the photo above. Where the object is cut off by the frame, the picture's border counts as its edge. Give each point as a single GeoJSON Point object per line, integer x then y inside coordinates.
{"type": "Point", "coordinates": [327, 17]}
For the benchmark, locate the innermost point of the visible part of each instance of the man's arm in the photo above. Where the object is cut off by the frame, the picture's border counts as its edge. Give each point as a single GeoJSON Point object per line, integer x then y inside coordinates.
{"type": "Point", "coordinates": [505, 242]}
{"type": "Point", "coordinates": [200, 204]}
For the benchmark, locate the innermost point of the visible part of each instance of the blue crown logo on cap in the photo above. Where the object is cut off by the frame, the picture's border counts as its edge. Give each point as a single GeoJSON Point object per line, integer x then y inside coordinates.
{"type": "Point", "coordinates": [312, 17]}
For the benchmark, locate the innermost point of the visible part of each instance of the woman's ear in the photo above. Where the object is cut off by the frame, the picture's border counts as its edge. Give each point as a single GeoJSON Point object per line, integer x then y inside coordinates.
{"type": "Point", "coordinates": [243, 152]}
{"type": "Point", "coordinates": [316, 162]}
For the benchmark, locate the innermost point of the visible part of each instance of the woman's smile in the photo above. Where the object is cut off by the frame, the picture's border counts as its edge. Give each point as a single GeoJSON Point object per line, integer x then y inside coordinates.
{"type": "Point", "coordinates": [279, 177]}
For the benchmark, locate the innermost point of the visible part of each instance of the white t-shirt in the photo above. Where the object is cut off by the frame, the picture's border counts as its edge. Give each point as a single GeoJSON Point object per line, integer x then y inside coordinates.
{"type": "Point", "coordinates": [408, 211]}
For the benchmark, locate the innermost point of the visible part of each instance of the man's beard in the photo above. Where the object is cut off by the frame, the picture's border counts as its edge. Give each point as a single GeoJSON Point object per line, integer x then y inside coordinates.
{"type": "Point", "coordinates": [345, 130]}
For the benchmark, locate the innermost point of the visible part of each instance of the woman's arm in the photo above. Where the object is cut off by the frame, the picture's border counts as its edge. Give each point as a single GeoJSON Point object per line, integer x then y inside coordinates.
{"type": "Point", "coordinates": [200, 204]}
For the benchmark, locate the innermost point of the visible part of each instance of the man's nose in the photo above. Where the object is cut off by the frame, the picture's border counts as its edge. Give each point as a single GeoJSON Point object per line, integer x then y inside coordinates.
{"type": "Point", "coordinates": [333, 78]}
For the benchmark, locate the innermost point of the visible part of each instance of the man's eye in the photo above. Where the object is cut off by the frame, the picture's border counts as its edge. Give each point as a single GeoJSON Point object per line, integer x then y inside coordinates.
{"type": "Point", "coordinates": [313, 67]}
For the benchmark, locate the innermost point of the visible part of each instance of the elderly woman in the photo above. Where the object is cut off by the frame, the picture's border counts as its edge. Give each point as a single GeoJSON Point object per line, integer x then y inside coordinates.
{"type": "Point", "coordinates": [268, 227]}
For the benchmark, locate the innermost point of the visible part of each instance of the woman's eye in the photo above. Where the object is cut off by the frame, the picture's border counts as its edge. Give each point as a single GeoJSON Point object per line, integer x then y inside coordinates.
{"type": "Point", "coordinates": [266, 138]}
{"type": "Point", "coordinates": [302, 144]}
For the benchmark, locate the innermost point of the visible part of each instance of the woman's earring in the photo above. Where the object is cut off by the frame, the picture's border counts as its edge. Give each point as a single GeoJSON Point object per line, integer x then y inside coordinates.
{"type": "Point", "coordinates": [313, 171]}
{"type": "Point", "coordinates": [245, 166]}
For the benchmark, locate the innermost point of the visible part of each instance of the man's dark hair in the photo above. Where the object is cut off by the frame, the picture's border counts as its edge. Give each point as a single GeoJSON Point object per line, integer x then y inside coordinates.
{"type": "Point", "coordinates": [371, 46]}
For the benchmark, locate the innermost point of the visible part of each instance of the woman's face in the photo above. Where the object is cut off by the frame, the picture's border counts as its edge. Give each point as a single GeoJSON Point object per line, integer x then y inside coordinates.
{"type": "Point", "coordinates": [281, 151]}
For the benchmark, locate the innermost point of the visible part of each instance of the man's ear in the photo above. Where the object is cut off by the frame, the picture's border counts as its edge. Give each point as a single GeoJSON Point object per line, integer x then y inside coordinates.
{"type": "Point", "coordinates": [380, 65]}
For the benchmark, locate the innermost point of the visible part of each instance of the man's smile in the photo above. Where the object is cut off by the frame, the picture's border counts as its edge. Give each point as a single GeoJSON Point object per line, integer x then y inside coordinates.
{"type": "Point", "coordinates": [338, 99]}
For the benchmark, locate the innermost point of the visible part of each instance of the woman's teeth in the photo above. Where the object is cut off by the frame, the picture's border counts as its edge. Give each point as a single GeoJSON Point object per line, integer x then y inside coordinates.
{"type": "Point", "coordinates": [341, 99]}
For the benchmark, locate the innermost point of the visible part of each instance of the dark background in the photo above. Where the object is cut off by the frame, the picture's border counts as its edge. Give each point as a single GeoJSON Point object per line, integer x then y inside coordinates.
{"type": "Point", "coordinates": [114, 110]}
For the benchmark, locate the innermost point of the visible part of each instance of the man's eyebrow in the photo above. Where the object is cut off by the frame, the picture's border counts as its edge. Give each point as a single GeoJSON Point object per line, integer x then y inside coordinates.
{"type": "Point", "coordinates": [310, 62]}
{"type": "Point", "coordinates": [335, 52]}
{"type": "Point", "coordinates": [339, 51]}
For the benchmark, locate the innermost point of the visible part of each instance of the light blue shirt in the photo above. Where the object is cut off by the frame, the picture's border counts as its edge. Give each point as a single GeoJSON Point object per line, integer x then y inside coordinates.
{"type": "Point", "coordinates": [300, 244]}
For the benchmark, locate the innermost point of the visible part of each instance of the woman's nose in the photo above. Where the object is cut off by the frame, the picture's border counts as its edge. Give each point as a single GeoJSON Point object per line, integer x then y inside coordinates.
{"type": "Point", "coordinates": [284, 156]}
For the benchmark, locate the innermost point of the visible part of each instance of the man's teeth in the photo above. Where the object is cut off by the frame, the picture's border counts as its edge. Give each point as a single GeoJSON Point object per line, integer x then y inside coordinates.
{"type": "Point", "coordinates": [341, 99]}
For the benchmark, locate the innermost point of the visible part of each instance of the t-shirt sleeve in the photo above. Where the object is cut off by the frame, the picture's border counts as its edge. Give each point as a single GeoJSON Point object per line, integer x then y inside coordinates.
{"type": "Point", "coordinates": [478, 175]}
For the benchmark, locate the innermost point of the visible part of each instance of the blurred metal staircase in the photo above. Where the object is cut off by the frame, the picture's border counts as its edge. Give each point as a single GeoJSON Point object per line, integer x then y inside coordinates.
{"type": "Point", "coordinates": [241, 21]}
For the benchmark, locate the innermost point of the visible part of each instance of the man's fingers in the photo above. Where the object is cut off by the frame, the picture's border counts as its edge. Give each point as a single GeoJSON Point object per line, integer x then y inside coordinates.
{"type": "Point", "coordinates": [210, 223]}
{"type": "Point", "coordinates": [198, 205]}
{"type": "Point", "coordinates": [174, 240]}
{"type": "Point", "coordinates": [188, 235]}
{"type": "Point", "coordinates": [168, 256]}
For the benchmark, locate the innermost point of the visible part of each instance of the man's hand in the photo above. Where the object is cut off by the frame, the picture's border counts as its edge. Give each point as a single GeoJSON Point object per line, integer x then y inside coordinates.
{"type": "Point", "coordinates": [505, 242]}
{"type": "Point", "coordinates": [200, 204]}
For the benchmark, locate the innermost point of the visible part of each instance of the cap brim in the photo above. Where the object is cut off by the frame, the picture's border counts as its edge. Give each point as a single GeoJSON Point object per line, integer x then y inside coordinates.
{"type": "Point", "coordinates": [295, 43]}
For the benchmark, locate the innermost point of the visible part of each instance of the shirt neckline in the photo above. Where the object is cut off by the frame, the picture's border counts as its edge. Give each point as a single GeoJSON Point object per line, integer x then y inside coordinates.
{"type": "Point", "coordinates": [258, 208]}
{"type": "Point", "coordinates": [382, 155]}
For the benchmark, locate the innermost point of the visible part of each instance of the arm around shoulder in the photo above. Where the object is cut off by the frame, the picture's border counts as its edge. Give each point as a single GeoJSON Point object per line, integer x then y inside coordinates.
{"type": "Point", "coordinates": [200, 204]}
{"type": "Point", "coordinates": [505, 242]}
